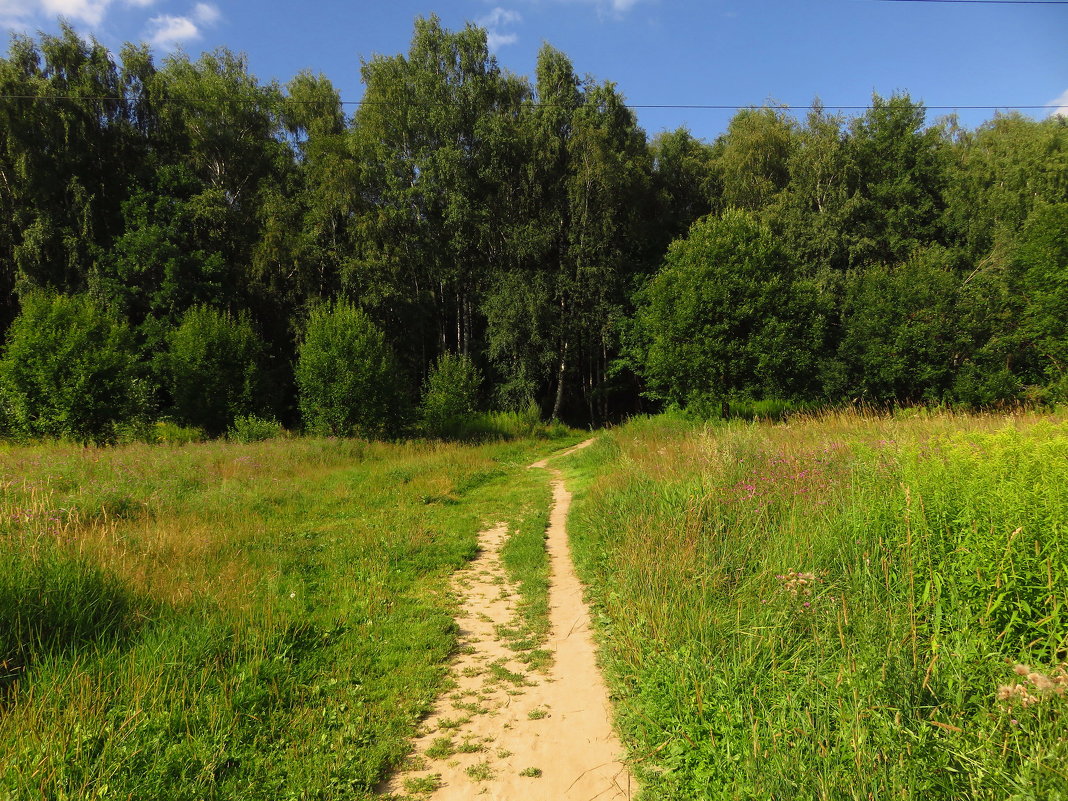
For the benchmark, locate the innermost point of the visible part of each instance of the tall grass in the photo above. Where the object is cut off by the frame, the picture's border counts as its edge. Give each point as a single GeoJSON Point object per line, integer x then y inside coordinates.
{"type": "Point", "coordinates": [838, 607]}
{"type": "Point", "coordinates": [227, 621]}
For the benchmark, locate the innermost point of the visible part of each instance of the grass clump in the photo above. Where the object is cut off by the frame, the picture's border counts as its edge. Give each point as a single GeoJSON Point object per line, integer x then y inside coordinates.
{"type": "Point", "coordinates": [441, 748]}
{"type": "Point", "coordinates": [250, 428]}
{"type": "Point", "coordinates": [841, 607]}
{"type": "Point", "coordinates": [419, 785]}
{"type": "Point", "coordinates": [53, 603]}
{"type": "Point", "coordinates": [480, 771]}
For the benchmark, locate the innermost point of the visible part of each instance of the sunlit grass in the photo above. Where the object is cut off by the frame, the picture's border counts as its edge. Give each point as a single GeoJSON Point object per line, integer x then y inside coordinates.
{"type": "Point", "coordinates": [217, 620]}
{"type": "Point", "coordinates": [827, 607]}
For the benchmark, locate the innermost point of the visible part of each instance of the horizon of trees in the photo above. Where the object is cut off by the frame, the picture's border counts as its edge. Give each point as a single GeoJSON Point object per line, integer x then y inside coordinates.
{"type": "Point", "coordinates": [181, 224]}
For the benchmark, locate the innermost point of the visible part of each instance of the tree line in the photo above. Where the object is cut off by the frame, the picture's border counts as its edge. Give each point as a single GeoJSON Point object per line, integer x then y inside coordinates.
{"type": "Point", "coordinates": [180, 240]}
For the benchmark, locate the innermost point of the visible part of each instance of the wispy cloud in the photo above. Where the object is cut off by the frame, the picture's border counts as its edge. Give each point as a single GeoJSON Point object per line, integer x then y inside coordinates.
{"type": "Point", "coordinates": [494, 21]}
{"type": "Point", "coordinates": [162, 30]}
{"type": "Point", "coordinates": [168, 32]}
{"type": "Point", "coordinates": [206, 14]}
{"type": "Point", "coordinates": [13, 14]}
{"type": "Point", "coordinates": [616, 8]}
{"type": "Point", "coordinates": [90, 12]}
{"type": "Point", "coordinates": [1060, 104]}
{"type": "Point", "coordinates": [496, 41]}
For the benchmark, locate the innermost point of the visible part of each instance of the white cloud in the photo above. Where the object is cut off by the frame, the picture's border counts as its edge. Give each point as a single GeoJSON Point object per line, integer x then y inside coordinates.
{"type": "Point", "coordinates": [1060, 105]}
{"type": "Point", "coordinates": [616, 8]}
{"type": "Point", "coordinates": [496, 41]}
{"type": "Point", "coordinates": [13, 15]}
{"type": "Point", "coordinates": [14, 8]}
{"type": "Point", "coordinates": [500, 16]}
{"type": "Point", "coordinates": [164, 30]}
{"type": "Point", "coordinates": [493, 21]}
{"type": "Point", "coordinates": [91, 12]}
{"type": "Point", "coordinates": [167, 32]}
{"type": "Point", "coordinates": [206, 13]}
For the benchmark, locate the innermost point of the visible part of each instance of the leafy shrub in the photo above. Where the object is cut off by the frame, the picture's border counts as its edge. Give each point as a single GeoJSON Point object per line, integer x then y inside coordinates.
{"type": "Point", "coordinates": [345, 374]}
{"type": "Point", "coordinates": [525, 424]}
{"type": "Point", "coordinates": [449, 395]}
{"type": "Point", "coordinates": [1041, 257]}
{"type": "Point", "coordinates": [68, 370]}
{"type": "Point", "coordinates": [250, 428]}
{"type": "Point", "coordinates": [724, 315]}
{"type": "Point", "coordinates": [212, 368]}
{"type": "Point", "coordinates": [168, 433]}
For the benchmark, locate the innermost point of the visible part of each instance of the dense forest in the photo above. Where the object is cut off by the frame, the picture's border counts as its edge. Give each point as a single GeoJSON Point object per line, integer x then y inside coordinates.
{"type": "Point", "coordinates": [179, 241]}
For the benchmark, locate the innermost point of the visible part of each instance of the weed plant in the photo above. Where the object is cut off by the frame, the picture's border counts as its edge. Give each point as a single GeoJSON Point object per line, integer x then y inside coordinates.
{"type": "Point", "coordinates": [841, 607]}
{"type": "Point", "coordinates": [233, 621]}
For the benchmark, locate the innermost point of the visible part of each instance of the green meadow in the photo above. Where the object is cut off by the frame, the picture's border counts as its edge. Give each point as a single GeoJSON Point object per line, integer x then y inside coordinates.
{"type": "Point", "coordinates": [836, 607]}
{"type": "Point", "coordinates": [217, 621]}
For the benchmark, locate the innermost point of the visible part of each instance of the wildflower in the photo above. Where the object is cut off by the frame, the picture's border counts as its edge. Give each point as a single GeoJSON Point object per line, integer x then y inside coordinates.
{"type": "Point", "coordinates": [1042, 682]}
{"type": "Point", "coordinates": [1035, 687]}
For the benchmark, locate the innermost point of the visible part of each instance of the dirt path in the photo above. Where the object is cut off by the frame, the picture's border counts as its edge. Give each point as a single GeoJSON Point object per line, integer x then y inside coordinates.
{"type": "Point", "coordinates": [508, 733]}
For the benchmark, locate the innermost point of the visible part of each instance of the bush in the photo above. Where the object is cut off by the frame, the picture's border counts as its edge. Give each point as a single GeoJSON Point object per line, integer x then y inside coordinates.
{"type": "Point", "coordinates": [345, 375]}
{"type": "Point", "coordinates": [68, 370]}
{"type": "Point", "coordinates": [449, 396]}
{"type": "Point", "coordinates": [168, 433]}
{"type": "Point", "coordinates": [250, 428]}
{"type": "Point", "coordinates": [723, 316]}
{"type": "Point", "coordinates": [212, 368]}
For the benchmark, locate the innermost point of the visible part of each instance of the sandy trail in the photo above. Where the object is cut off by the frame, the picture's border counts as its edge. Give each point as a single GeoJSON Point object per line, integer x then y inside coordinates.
{"type": "Point", "coordinates": [507, 733]}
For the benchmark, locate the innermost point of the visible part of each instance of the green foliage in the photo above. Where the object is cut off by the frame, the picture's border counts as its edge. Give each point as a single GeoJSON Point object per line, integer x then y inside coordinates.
{"type": "Point", "coordinates": [516, 219]}
{"type": "Point", "coordinates": [717, 320]}
{"type": "Point", "coordinates": [752, 163]}
{"type": "Point", "coordinates": [250, 428]}
{"type": "Point", "coordinates": [450, 395]}
{"type": "Point", "coordinates": [901, 174]}
{"type": "Point", "coordinates": [834, 608]}
{"type": "Point", "coordinates": [900, 332]}
{"type": "Point", "coordinates": [684, 179]}
{"type": "Point", "coordinates": [166, 432]}
{"type": "Point", "coordinates": [1041, 257]}
{"type": "Point", "coordinates": [1002, 172]}
{"type": "Point", "coordinates": [213, 370]}
{"type": "Point", "coordinates": [345, 375]}
{"type": "Point", "coordinates": [68, 370]}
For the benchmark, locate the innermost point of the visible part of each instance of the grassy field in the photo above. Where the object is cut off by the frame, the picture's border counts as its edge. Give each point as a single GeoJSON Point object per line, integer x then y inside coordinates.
{"type": "Point", "coordinates": [839, 607]}
{"type": "Point", "coordinates": [223, 621]}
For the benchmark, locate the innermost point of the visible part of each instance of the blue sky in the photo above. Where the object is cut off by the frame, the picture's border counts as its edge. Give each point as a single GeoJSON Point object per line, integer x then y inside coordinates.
{"type": "Point", "coordinates": [658, 52]}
